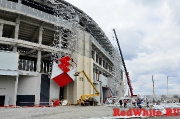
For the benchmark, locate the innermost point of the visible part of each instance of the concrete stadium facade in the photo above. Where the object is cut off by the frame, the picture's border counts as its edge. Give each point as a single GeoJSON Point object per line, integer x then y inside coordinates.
{"type": "Point", "coordinates": [26, 28]}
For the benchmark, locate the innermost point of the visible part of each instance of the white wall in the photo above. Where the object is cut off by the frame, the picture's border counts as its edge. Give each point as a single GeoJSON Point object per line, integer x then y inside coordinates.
{"type": "Point", "coordinates": [106, 93]}
{"type": "Point", "coordinates": [54, 90]}
{"type": "Point", "coordinates": [83, 86]}
{"type": "Point", "coordinates": [104, 80]}
{"type": "Point", "coordinates": [98, 97]}
{"type": "Point", "coordinates": [7, 85]}
{"type": "Point", "coordinates": [6, 61]}
{"type": "Point", "coordinates": [30, 85]}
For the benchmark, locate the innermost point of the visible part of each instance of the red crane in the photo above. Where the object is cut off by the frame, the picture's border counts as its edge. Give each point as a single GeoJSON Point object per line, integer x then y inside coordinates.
{"type": "Point", "coordinates": [127, 74]}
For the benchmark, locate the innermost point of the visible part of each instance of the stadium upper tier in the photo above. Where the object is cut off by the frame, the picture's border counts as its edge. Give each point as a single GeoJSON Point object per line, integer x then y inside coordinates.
{"type": "Point", "coordinates": [45, 9]}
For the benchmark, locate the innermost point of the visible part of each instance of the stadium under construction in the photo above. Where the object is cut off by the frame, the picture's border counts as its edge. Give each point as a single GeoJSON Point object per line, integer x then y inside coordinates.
{"type": "Point", "coordinates": [33, 33]}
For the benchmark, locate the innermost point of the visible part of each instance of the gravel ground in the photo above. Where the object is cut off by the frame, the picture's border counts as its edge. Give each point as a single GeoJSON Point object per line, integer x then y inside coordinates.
{"type": "Point", "coordinates": [62, 112]}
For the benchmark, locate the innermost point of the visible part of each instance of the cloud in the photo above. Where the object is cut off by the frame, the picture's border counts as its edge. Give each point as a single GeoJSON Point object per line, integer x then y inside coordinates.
{"type": "Point", "coordinates": [149, 33]}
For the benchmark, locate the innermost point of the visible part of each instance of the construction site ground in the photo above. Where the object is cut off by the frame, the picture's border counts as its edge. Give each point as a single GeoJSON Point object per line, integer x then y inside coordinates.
{"type": "Point", "coordinates": [63, 112]}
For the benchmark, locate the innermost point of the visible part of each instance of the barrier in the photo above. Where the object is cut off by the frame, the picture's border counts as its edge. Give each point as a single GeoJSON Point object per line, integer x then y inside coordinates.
{"type": "Point", "coordinates": [40, 104]}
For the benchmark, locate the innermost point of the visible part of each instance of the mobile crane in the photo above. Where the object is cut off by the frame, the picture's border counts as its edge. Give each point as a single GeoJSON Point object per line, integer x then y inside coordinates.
{"type": "Point", "coordinates": [87, 99]}
{"type": "Point", "coordinates": [127, 74]}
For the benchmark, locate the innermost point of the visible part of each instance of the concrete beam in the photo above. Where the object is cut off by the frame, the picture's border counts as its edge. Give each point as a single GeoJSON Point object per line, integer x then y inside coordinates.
{"type": "Point", "coordinates": [10, 47]}
{"type": "Point", "coordinates": [30, 52]}
{"type": "Point", "coordinates": [24, 54]}
{"type": "Point", "coordinates": [2, 21]}
{"type": "Point", "coordinates": [35, 24]}
{"type": "Point", "coordinates": [27, 44]}
{"type": "Point", "coordinates": [46, 55]}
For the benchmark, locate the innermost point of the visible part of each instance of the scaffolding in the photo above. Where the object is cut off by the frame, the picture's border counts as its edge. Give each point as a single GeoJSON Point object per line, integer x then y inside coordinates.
{"type": "Point", "coordinates": [117, 83]}
{"type": "Point", "coordinates": [65, 38]}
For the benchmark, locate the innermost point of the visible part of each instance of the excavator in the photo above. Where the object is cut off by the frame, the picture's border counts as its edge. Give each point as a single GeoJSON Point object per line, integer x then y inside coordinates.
{"type": "Point", "coordinates": [87, 99]}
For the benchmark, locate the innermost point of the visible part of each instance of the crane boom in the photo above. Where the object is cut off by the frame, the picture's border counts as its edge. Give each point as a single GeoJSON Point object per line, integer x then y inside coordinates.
{"type": "Point", "coordinates": [124, 65]}
{"type": "Point", "coordinates": [85, 97]}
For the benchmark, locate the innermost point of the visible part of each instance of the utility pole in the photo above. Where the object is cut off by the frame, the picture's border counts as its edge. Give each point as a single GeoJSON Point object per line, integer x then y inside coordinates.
{"type": "Point", "coordinates": [167, 85]}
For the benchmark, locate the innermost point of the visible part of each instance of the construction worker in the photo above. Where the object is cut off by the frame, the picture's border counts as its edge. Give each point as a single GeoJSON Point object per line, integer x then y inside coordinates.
{"type": "Point", "coordinates": [120, 102]}
{"type": "Point", "coordinates": [147, 102]}
{"type": "Point", "coordinates": [139, 103]}
{"type": "Point", "coordinates": [111, 95]}
{"type": "Point", "coordinates": [125, 103]}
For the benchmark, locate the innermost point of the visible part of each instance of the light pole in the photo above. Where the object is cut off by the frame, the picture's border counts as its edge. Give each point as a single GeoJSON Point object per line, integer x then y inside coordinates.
{"type": "Point", "coordinates": [153, 90]}
{"type": "Point", "coordinates": [153, 86]}
{"type": "Point", "coordinates": [167, 85]}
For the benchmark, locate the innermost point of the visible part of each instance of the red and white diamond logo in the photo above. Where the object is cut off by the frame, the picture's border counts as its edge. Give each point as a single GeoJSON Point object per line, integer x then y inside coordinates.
{"type": "Point", "coordinates": [61, 74]}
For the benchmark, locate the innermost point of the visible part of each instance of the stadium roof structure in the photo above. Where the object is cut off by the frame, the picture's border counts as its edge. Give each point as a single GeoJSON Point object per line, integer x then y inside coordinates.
{"type": "Point", "coordinates": [91, 26]}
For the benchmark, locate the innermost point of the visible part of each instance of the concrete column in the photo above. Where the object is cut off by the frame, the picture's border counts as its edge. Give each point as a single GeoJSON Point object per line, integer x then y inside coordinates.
{"type": "Point", "coordinates": [83, 47]}
{"type": "Point", "coordinates": [38, 68]}
{"type": "Point", "coordinates": [102, 63]}
{"type": "Point", "coordinates": [1, 29]}
{"type": "Point", "coordinates": [40, 35]}
{"type": "Point", "coordinates": [16, 33]}
{"type": "Point", "coordinates": [19, 5]}
{"type": "Point", "coordinates": [39, 52]}
{"type": "Point", "coordinates": [95, 56]}
{"type": "Point", "coordinates": [101, 92]}
{"type": "Point", "coordinates": [19, 1]}
{"type": "Point", "coordinates": [15, 48]}
{"type": "Point", "coordinates": [15, 90]}
{"type": "Point", "coordinates": [107, 66]}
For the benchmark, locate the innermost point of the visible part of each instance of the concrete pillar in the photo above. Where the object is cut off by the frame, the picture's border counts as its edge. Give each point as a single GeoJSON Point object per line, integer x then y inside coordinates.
{"type": "Point", "coordinates": [19, 5]}
{"type": "Point", "coordinates": [19, 1]}
{"type": "Point", "coordinates": [40, 35]}
{"type": "Point", "coordinates": [107, 66]}
{"type": "Point", "coordinates": [15, 90]}
{"type": "Point", "coordinates": [95, 56]}
{"type": "Point", "coordinates": [101, 93]}
{"type": "Point", "coordinates": [102, 62]}
{"type": "Point", "coordinates": [15, 48]}
{"type": "Point", "coordinates": [16, 33]}
{"type": "Point", "coordinates": [39, 52]}
{"type": "Point", "coordinates": [1, 29]}
{"type": "Point", "coordinates": [38, 61]}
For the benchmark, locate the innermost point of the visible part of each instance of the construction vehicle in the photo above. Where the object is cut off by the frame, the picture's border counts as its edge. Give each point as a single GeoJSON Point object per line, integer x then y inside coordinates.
{"type": "Point", "coordinates": [87, 99]}
{"type": "Point", "coordinates": [127, 74]}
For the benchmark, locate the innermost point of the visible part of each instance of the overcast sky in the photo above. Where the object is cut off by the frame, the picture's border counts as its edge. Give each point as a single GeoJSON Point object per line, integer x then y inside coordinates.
{"type": "Point", "coordinates": [149, 35]}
